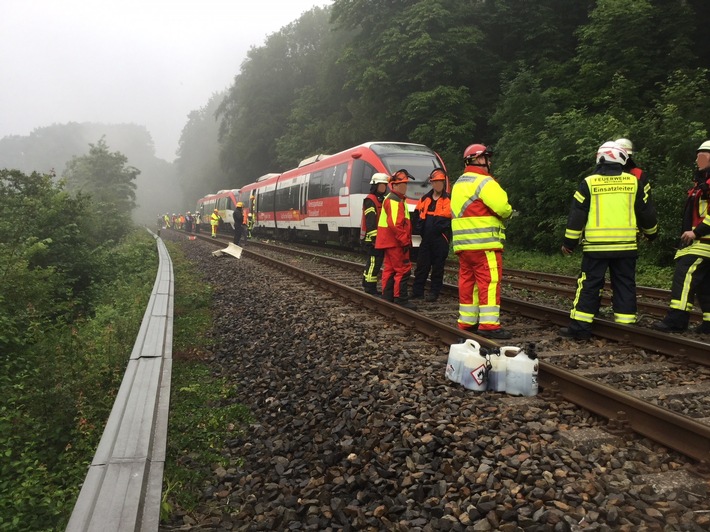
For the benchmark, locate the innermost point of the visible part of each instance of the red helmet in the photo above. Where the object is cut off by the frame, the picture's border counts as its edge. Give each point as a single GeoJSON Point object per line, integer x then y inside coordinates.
{"type": "Point", "coordinates": [437, 174]}
{"type": "Point", "coordinates": [475, 150]}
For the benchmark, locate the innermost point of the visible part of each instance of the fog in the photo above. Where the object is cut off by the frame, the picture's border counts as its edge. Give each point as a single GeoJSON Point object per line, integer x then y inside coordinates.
{"type": "Point", "coordinates": [143, 62]}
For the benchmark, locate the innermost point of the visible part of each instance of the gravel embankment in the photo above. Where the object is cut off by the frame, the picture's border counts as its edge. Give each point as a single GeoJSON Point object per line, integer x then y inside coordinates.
{"type": "Point", "coordinates": [357, 429]}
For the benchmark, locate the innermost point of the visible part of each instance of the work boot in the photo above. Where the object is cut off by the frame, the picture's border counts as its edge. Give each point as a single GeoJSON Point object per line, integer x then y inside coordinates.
{"type": "Point", "coordinates": [662, 326]}
{"type": "Point", "coordinates": [703, 328]}
{"type": "Point", "coordinates": [574, 334]}
{"type": "Point", "coordinates": [402, 302]}
{"type": "Point", "coordinates": [388, 290]}
{"type": "Point", "coordinates": [370, 288]}
{"type": "Point", "coordinates": [495, 334]}
{"type": "Point", "coordinates": [431, 298]}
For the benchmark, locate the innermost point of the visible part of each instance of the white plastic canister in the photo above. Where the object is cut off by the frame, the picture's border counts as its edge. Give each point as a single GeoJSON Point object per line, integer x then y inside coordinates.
{"type": "Point", "coordinates": [499, 366]}
{"type": "Point", "coordinates": [457, 355]}
{"type": "Point", "coordinates": [521, 373]}
{"type": "Point", "coordinates": [475, 371]}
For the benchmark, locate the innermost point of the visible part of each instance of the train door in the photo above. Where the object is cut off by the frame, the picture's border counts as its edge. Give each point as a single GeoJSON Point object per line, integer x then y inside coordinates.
{"type": "Point", "coordinates": [303, 197]}
{"type": "Point", "coordinates": [340, 182]}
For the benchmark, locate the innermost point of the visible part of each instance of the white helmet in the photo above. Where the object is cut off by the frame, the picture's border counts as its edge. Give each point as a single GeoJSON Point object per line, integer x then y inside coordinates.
{"type": "Point", "coordinates": [379, 178]}
{"type": "Point", "coordinates": [705, 146]}
{"type": "Point", "coordinates": [611, 152]}
{"type": "Point", "coordinates": [626, 144]}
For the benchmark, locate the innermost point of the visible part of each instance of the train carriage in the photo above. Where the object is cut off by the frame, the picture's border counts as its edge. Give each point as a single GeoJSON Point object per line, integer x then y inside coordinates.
{"type": "Point", "coordinates": [224, 201]}
{"type": "Point", "coordinates": [322, 198]}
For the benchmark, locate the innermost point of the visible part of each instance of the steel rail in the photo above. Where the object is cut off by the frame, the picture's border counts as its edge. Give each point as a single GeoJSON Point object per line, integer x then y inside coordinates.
{"type": "Point", "coordinates": [660, 425]}
{"type": "Point", "coordinates": [663, 426]}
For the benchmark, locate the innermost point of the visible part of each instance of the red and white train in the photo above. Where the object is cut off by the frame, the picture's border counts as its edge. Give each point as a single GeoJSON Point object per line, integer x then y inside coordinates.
{"type": "Point", "coordinates": [321, 199]}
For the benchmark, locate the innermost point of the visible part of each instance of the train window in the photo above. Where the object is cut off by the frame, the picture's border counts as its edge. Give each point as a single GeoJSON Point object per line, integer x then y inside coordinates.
{"type": "Point", "coordinates": [266, 201]}
{"type": "Point", "coordinates": [361, 175]}
{"type": "Point", "coordinates": [340, 176]}
{"type": "Point", "coordinates": [315, 185]}
{"type": "Point", "coordinates": [287, 198]}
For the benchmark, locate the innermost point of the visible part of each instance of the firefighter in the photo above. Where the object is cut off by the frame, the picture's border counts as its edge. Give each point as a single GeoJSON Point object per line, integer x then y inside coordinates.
{"type": "Point", "coordinates": [214, 222]}
{"type": "Point", "coordinates": [394, 236]}
{"type": "Point", "coordinates": [432, 220]}
{"type": "Point", "coordinates": [371, 207]}
{"type": "Point", "coordinates": [607, 209]}
{"type": "Point", "coordinates": [479, 207]}
{"type": "Point", "coordinates": [238, 216]}
{"type": "Point", "coordinates": [692, 271]}
{"type": "Point", "coordinates": [631, 167]}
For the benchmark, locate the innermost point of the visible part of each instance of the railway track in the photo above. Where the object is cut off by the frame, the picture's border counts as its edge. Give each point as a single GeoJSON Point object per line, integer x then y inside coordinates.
{"type": "Point", "coordinates": [639, 379]}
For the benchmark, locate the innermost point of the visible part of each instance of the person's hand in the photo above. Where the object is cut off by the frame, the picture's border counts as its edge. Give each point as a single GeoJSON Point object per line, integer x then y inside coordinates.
{"type": "Point", "coordinates": [566, 250]}
{"type": "Point", "coordinates": [687, 237]}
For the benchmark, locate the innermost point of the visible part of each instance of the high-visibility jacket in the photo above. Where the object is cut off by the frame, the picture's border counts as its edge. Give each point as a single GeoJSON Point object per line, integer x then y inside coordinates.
{"type": "Point", "coordinates": [478, 207]}
{"type": "Point", "coordinates": [371, 207]}
{"type": "Point", "coordinates": [695, 216]}
{"type": "Point", "coordinates": [214, 219]}
{"type": "Point", "coordinates": [394, 228]}
{"type": "Point", "coordinates": [607, 210]}
{"type": "Point", "coordinates": [432, 217]}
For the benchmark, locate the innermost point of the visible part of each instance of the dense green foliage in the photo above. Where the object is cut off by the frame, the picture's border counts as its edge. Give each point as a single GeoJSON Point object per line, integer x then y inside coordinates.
{"type": "Point", "coordinates": [73, 292]}
{"type": "Point", "coordinates": [203, 408]}
{"type": "Point", "coordinates": [544, 82]}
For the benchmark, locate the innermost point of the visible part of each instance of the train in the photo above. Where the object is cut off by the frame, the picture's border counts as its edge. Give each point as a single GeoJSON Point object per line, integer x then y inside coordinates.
{"type": "Point", "coordinates": [321, 199]}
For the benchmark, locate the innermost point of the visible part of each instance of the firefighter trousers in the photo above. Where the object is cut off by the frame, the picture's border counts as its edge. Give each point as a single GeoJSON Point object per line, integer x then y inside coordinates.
{"type": "Point", "coordinates": [395, 274]}
{"type": "Point", "coordinates": [431, 256]}
{"type": "Point", "coordinates": [691, 280]}
{"type": "Point", "coordinates": [373, 265]}
{"type": "Point", "coordinates": [587, 298]}
{"type": "Point", "coordinates": [480, 273]}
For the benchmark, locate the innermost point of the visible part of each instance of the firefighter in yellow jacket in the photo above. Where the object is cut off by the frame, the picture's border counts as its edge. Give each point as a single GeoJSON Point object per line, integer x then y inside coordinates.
{"type": "Point", "coordinates": [479, 206]}
{"type": "Point", "coordinates": [214, 222]}
{"type": "Point", "coordinates": [608, 209]}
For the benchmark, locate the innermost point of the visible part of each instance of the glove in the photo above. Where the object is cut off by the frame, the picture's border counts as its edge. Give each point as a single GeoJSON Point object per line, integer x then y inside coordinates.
{"type": "Point", "coordinates": [566, 250]}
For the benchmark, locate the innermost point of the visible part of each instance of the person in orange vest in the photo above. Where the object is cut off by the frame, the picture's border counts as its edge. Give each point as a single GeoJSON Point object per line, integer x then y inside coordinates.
{"type": "Point", "coordinates": [371, 208]}
{"type": "Point", "coordinates": [394, 236]}
{"type": "Point", "coordinates": [432, 220]}
{"type": "Point", "coordinates": [214, 222]}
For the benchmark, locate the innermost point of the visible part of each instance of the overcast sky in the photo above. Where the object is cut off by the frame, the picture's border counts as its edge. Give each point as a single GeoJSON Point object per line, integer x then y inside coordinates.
{"type": "Point", "coordinates": [147, 62]}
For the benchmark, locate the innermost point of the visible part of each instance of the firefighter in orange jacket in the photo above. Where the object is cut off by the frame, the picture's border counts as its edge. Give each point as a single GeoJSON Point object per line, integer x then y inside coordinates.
{"type": "Point", "coordinates": [479, 206]}
{"type": "Point", "coordinates": [371, 208]}
{"type": "Point", "coordinates": [432, 220]}
{"type": "Point", "coordinates": [394, 236]}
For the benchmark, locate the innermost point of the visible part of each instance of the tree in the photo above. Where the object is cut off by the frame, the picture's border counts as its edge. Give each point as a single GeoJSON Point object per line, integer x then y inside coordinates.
{"type": "Point", "coordinates": [197, 167]}
{"type": "Point", "coordinates": [104, 176]}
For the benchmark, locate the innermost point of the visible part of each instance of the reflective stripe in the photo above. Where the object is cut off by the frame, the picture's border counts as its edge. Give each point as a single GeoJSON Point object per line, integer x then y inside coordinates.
{"type": "Point", "coordinates": [575, 314]}
{"type": "Point", "coordinates": [626, 319]}
{"type": "Point", "coordinates": [611, 224]}
{"type": "Point", "coordinates": [686, 302]}
{"type": "Point", "coordinates": [702, 249]}
{"type": "Point", "coordinates": [581, 316]}
{"type": "Point", "coordinates": [474, 223]}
